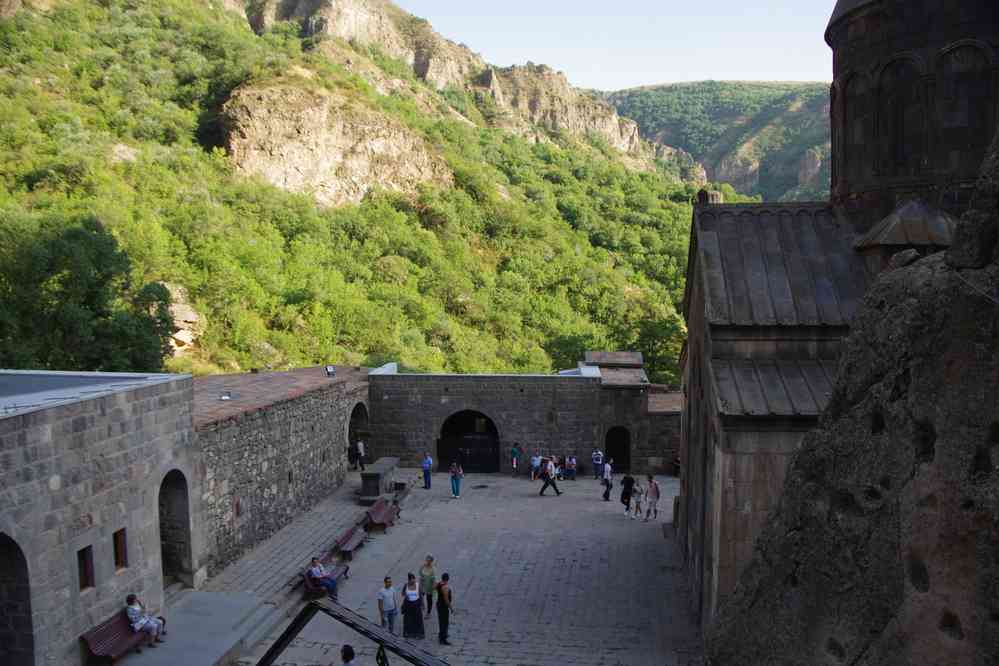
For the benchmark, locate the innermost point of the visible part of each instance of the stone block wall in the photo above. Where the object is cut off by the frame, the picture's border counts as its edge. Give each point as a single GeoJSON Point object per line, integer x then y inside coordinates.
{"type": "Point", "coordinates": [557, 414]}
{"type": "Point", "coordinates": [70, 477]}
{"type": "Point", "coordinates": [664, 442]}
{"type": "Point", "coordinates": [265, 468]}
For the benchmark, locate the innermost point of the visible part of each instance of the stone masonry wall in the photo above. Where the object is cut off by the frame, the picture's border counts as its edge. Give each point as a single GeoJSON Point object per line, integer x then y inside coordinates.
{"type": "Point", "coordinates": [73, 475]}
{"type": "Point", "coordinates": [664, 442]}
{"type": "Point", "coordinates": [265, 468]}
{"type": "Point", "coordinates": [556, 414]}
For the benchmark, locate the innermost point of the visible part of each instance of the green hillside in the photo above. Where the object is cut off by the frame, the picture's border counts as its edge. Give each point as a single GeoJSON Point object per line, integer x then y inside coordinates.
{"type": "Point", "coordinates": [108, 135]}
{"type": "Point", "coordinates": [760, 136]}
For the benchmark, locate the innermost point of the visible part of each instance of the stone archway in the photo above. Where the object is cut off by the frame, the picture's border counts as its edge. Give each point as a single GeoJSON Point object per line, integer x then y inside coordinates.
{"type": "Point", "coordinates": [175, 530]}
{"type": "Point", "coordinates": [472, 439]}
{"type": "Point", "coordinates": [617, 446]}
{"type": "Point", "coordinates": [358, 426]}
{"type": "Point", "coordinates": [17, 639]}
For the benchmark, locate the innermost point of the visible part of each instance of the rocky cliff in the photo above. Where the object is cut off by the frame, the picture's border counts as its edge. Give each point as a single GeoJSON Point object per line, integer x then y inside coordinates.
{"type": "Point", "coordinates": [317, 141]}
{"type": "Point", "coordinates": [884, 549]}
{"type": "Point", "coordinates": [9, 7]}
{"type": "Point", "coordinates": [532, 95]}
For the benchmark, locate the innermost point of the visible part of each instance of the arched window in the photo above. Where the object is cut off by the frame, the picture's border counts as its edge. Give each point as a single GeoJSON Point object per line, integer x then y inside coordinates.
{"type": "Point", "coordinates": [902, 130]}
{"type": "Point", "coordinates": [964, 108]}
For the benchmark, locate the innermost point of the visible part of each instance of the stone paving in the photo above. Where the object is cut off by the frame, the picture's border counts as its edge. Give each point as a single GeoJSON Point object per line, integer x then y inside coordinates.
{"type": "Point", "coordinates": [537, 580]}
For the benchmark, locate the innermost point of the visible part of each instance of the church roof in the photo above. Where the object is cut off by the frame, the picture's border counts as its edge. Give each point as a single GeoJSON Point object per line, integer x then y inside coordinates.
{"type": "Point", "coordinates": [776, 265]}
{"type": "Point", "coordinates": [761, 388]}
{"type": "Point", "coordinates": [913, 222]}
{"type": "Point", "coordinates": [625, 359]}
{"type": "Point", "coordinates": [844, 7]}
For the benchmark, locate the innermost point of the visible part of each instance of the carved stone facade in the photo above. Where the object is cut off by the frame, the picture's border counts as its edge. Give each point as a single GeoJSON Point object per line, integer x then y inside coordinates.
{"type": "Point", "coordinates": [914, 102]}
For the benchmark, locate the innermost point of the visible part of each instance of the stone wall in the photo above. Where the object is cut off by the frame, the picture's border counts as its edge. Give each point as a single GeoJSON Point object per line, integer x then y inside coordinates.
{"type": "Point", "coordinates": [627, 408]}
{"type": "Point", "coordinates": [664, 442]}
{"type": "Point", "coordinates": [556, 414]}
{"type": "Point", "coordinates": [70, 477]}
{"type": "Point", "coordinates": [265, 468]}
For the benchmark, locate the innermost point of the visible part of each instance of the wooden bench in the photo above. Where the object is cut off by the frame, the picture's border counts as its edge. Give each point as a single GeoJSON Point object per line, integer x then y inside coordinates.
{"type": "Point", "coordinates": [338, 572]}
{"type": "Point", "coordinates": [112, 639]}
{"type": "Point", "coordinates": [349, 541]}
{"type": "Point", "coordinates": [382, 514]}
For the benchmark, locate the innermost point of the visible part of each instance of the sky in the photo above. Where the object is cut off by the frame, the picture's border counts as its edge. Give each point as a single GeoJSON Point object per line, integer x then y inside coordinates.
{"type": "Point", "coordinates": [617, 44]}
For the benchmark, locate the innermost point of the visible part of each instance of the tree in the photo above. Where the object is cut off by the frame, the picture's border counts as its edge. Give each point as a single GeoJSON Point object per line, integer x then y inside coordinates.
{"type": "Point", "coordinates": [66, 302]}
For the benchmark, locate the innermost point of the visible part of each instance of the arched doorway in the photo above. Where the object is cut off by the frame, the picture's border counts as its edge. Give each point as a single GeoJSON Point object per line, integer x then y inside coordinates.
{"type": "Point", "coordinates": [617, 445]}
{"type": "Point", "coordinates": [17, 639]}
{"type": "Point", "coordinates": [470, 438]}
{"type": "Point", "coordinates": [175, 530]}
{"type": "Point", "coordinates": [358, 428]}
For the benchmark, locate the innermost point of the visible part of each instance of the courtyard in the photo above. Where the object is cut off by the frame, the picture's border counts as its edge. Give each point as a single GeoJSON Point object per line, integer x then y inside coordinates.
{"type": "Point", "coordinates": [536, 580]}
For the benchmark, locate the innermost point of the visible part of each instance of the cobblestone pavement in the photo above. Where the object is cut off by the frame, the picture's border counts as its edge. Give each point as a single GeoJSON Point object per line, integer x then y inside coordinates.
{"type": "Point", "coordinates": [537, 580]}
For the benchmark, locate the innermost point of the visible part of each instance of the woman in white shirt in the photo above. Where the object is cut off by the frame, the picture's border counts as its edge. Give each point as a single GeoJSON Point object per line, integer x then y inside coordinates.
{"type": "Point", "coordinates": [412, 609]}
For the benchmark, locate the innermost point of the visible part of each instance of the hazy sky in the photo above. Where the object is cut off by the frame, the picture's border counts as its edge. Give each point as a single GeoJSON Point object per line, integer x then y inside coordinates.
{"type": "Point", "coordinates": [615, 44]}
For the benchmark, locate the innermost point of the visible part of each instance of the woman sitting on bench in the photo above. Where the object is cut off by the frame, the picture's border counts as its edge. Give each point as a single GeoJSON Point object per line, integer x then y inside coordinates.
{"type": "Point", "coordinates": [141, 621]}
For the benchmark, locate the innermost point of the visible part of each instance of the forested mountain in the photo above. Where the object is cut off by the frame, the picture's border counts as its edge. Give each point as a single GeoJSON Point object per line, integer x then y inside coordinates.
{"type": "Point", "coordinates": [769, 139]}
{"type": "Point", "coordinates": [317, 191]}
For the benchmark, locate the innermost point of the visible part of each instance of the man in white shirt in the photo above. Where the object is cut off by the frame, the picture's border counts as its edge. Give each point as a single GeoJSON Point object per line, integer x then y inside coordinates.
{"type": "Point", "coordinates": [608, 479]}
{"type": "Point", "coordinates": [360, 453]}
{"type": "Point", "coordinates": [388, 606]}
{"type": "Point", "coordinates": [597, 458]}
{"type": "Point", "coordinates": [548, 474]}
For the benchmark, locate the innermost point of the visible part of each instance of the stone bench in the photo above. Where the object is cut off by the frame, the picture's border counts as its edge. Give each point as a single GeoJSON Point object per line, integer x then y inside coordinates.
{"type": "Point", "coordinates": [378, 479]}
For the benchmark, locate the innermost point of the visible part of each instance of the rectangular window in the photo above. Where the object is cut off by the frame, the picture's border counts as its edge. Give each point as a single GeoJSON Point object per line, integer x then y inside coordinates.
{"type": "Point", "coordinates": [85, 567]}
{"type": "Point", "coordinates": [120, 550]}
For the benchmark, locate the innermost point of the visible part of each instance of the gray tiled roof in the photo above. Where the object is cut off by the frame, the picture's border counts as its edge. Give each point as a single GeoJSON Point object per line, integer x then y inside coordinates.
{"type": "Point", "coordinates": [777, 265]}
{"type": "Point", "coordinates": [772, 387]}
{"type": "Point", "coordinates": [625, 359]}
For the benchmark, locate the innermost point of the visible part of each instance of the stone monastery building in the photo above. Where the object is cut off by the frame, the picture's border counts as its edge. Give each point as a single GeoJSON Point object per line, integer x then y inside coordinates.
{"type": "Point", "coordinates": [771, 288]}
{"type": "Point", "coordinates": [113, 484]}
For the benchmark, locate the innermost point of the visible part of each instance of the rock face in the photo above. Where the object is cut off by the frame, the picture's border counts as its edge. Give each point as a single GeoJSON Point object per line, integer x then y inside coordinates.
{"type": "Point", "coordinates": [9, 7]}
{"type": "Point", "coordinates": [532, 94]}
{"type": "Point", "coordinates": [884, 549]}
{"type": "Point", "coordinates": [317, 142]}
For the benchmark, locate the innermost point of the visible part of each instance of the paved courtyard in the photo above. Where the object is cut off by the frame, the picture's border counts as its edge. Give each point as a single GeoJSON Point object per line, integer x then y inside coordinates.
{"type": "Point", "coordinates": [536, 580]}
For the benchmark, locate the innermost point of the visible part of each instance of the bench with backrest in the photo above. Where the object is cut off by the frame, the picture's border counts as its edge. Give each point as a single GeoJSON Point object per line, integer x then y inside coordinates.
{"type": "Point", "coordinates": [349, 541]}
{"type": "Point", "coordinates": [112, 639]}
{"type": "Point", "coordinates": [337, 571]}
{"type": "Point", "coordinates": [382, 514]}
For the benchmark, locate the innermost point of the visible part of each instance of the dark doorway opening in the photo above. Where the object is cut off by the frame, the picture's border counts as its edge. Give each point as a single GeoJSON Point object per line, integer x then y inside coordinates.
{"type": "Point", "coordinates": [358, 428]}
{"type": "Point", "coordinates": [175, 530]}
{"type": "Point", "coordinates": [17, 639]}
{"type": "Point", "coordinates": [618, 446]}
{"type": "Point", "coordinates": [471, 439]}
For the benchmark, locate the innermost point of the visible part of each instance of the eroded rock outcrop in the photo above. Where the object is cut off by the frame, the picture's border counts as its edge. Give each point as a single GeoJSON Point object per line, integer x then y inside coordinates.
{"type": "Point", "coordinates": [9, 7]}
{"type": "Point", "coordinates": [315, 141]}
{"type": "Point", "coordinates": [884, 549]}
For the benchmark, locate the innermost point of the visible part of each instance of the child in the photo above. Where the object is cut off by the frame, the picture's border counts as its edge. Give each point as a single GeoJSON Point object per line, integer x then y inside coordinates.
{"type": "Point", "coordinates": [637, 498]}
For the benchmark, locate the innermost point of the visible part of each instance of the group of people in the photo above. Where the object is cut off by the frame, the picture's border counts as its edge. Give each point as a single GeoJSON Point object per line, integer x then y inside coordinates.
{"type": "Point", "coordinates": [414, 596]}
{"type": "Point", "coordinates": [633, 493]}
{"type": "Point", "coordinates": [559, 468]}
{"type": "Point", "coordinates": [455, 473]}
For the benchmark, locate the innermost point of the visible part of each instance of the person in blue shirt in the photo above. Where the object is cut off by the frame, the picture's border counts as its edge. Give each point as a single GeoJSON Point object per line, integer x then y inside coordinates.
{"type": "Point", "coordinates": [428, 465]}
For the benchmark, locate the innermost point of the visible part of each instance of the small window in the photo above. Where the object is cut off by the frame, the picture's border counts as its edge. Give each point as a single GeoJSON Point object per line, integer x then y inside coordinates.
{"type": "Point", "coordinates": [85, 567]}
{"type": "Point", "coordinates": [120, 550]}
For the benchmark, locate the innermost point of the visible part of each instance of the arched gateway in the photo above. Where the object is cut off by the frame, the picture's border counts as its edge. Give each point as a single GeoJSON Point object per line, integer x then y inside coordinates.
{"type": "Point", "coordinates": [470, 438]}
{"type": "Point", "coordinates": [618, 446]}
{"type": "Point", "coordinates": [175, 530]}
{"type": "Point", "coordinates": [17, 640]}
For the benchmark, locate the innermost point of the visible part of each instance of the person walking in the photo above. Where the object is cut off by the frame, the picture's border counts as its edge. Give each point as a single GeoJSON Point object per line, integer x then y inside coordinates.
{"type": "Point", "coordinates": [515, 458]}
{"type": "Point", "coordinates": [428, 466]}
{"type": "Point", "coordinates": [548, 474]}
{"type": "Point", "coordinates": [636, 498]}
{"type": "Point", "coordinates": [608, 476]}
{"type": "Point", "coordinates": [597, 458]}
{"type": "Point", "coordinates": [428, 579]}
{"type": "Point", "coordinates": [412, 609]}
{"type": "Point", "coordinates": [457, 474]}
{"type": "Point", "coordinates": [652, 494]}
{"type": "Point", "coordinates": [445, 601]}
{"type": "Point", "coordinates": [360, 453]}
{"type": "Point", "coordinates": [627, 488]}
{"type": "Point", "coordinates": [388, 606]}
{"type": "Point", "coordinates": [535, 465]}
